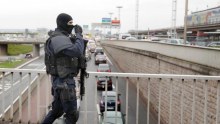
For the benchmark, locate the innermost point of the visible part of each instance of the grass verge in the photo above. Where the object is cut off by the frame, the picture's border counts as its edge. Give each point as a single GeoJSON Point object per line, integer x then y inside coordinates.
{"type": "Point", "coordinates": [16, 49]}
{"type": "Point", "coordinates": [12, 64]}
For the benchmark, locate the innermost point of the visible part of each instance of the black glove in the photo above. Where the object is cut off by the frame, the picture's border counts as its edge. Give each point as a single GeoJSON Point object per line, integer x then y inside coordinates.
{"type": "Point", "coordinates": [78, 29]}
{"type": "Point", "coordinates": [85, 42]}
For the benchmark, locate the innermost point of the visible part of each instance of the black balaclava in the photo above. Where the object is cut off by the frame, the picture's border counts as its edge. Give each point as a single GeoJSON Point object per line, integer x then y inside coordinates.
{"type": "Point", "coordinates": [62, 20]}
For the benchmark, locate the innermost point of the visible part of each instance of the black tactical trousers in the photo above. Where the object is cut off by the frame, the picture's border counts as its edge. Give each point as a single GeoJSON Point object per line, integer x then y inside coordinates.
{"type": "Point", "coordinates": [64, 102]}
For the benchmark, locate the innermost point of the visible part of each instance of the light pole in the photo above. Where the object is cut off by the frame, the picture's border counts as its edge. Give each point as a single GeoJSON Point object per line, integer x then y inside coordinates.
{"type": "Point", "coordinates": [136, 19]}
{"type": "Point", "coordinates": [185, 21]}
{"type": "Point", "coordinates": [119, 7]}
{"type": "Point", "coordinates": [111, 22]}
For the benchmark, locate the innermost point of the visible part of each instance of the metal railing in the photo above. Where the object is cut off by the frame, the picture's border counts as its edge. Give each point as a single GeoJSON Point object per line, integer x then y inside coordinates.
{"type": "Point", "coordinates": [143, 82]}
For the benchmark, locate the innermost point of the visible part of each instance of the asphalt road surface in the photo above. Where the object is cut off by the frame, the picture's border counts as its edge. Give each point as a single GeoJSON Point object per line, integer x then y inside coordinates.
{"type": "Point", "coordinates": [17, 87]}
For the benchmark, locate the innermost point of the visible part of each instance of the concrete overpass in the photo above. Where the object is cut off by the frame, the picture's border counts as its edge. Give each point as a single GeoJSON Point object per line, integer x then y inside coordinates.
{"type": "Point", "coordinates": [194, 29]}
{"type": "Point", "coordinates": [36, 45]}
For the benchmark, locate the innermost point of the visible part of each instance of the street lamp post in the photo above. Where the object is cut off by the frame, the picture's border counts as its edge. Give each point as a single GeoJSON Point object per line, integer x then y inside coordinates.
{"type": "Point", "coordinates": [185, 21]}
{"type": "Point", "coordinates": [111, 22]}
{"type": "Point", "coordinates": [136, 19]}
{"type": "Point", "coordinates": [119, 7]}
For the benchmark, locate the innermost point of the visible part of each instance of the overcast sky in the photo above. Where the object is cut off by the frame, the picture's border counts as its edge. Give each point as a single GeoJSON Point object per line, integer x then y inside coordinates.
{"type": "Point", "coordinates": [153, 14]}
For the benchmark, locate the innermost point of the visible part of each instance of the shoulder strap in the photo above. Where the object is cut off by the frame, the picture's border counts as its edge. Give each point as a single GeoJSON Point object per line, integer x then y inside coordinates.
{"type": "Point", "coordinates": [52, 34]}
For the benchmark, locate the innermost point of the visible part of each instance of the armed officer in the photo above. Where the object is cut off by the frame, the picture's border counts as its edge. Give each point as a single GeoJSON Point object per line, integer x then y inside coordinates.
{"type": "Point", "coordinates": [62, 52]}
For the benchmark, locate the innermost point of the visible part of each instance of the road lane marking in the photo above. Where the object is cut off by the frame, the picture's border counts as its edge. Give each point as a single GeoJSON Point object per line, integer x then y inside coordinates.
{"type": "Point", "coordinates": [15, 83]}
{"type": "Point", "coordinates": [109, 60]}
{"type": "Point", "coordinates": [113, 86]}
{"type": "Point", "coordinates": [98, 109]}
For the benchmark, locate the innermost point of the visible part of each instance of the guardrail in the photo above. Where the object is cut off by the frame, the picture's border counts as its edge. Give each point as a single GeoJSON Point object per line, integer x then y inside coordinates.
{"type": "Point", "coordinates": [129, 77]}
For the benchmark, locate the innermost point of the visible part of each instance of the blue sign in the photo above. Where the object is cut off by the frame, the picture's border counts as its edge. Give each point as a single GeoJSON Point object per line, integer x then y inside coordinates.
{"type": "Point", "coordinates": [106, 20]}
{"type": "Point", "coordinates": [85, 26]}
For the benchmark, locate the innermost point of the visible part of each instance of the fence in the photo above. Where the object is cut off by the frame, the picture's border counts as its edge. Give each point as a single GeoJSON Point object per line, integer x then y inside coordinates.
{"type": "Point", "coordinates": [19, 86]}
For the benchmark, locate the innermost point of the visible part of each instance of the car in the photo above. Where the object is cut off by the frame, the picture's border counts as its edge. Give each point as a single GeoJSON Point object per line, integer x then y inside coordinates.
{"type": "Point", "coordinates": [176, 41]}
{"type": "Point", "coordinates": [111, 118]}
{"type": "Point", "coordinates": [91, 42]}
{"type": "Point", "coordinates": [111, 97]}
{"type": "Point", "coordinates": [88, 55]}
{"type": "Point", "coordinates": [101, 82]}
{"type": "Point", "coordinates": [103, 68]}
{"type": "Point", "coordinates": [98, 51]}
{"type": "Point", "coordinates": [154, 38]}
{"type": "Point", "coordinates": [28, 56]}
{"type": "Point", "coordinates": [98, 38]}
{"type": "Point", "coordinates": [214, 44]}
{"type": "Point", "coordinates": [100, 59]}
{"type": "Point", "coordinates": [92, 47]}
{"type": "Point", "coordinates": [130, 38]}
{"type": "Point", "coordinates": [199, 43]}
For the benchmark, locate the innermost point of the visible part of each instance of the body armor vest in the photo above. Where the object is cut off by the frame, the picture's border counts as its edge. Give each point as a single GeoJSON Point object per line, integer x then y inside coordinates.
{"type": "Point", "coordinates": [57, 63]}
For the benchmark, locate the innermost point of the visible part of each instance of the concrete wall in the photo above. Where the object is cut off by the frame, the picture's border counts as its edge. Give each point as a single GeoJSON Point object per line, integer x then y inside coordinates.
{"type": "Point", "coordinates": [154, 58]}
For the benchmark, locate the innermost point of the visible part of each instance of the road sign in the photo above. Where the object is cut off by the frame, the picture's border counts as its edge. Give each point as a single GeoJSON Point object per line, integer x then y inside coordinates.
{"type": "Point", "coordinates": [106, 20]}
{"type": "Point", "coordinates": [115, 22]}
{"type": "Point", "coordinates": [85, 27]}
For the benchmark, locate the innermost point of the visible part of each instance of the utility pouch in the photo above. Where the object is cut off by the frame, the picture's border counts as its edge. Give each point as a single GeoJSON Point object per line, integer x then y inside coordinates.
{"type": "Point", "coordinates": [66, 66]}
{"type": "Point", "coordinates": [68, 94]}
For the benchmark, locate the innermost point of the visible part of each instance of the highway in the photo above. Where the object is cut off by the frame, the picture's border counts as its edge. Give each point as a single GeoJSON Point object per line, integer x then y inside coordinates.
{"type": "Point", "coordinates": [92, 105]}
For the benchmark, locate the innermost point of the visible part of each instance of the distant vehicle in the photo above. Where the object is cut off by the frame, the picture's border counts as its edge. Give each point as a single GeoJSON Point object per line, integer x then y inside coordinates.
{"type": "Point", "coordinates": [28, 56]}
{"type": "Point", "coordinates": [91, 47]}
{"type": "Point", "coordinates": [176, 41]}
{"type": "Point", "coordinates": [111, 116]}
{"type": "Point", "coordinates": [91, 42]}
{"type": "Point", "coordinates": [88, 55]}
{"type": "Point", "coordinates": [154, 38]}
{"type": "Point", "coordinates": [104, 68]}
{"type": "Point", "coordinates": [100, 59]}
{"type": "Point", "coordinates": [214, 44]}
{"type": "Point", "coordinates": [113, 38]}
{"type": "Point", "coordinates": [200, 43]}
{"type": "Point", "coordinates": [98, 38]}
{"type": "Point", "coordinates": [101, 82]}
{"type": "Point", "coordinates": [123, 36]}
{"type": "Point", "coordinates": [130, 38]}
{"type": "Point", "coordinates": [111, 101]}
{"type": "Point", "coordinates": [98, 51]}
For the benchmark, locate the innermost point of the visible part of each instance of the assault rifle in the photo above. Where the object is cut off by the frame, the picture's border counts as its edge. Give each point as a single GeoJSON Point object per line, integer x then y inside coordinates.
{"type": "Point", "coordinates": [83, 72]}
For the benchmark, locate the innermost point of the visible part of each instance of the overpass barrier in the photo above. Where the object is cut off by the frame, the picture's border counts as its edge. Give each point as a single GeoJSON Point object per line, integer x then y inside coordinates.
{"type": "Point", "coordinates": [151, 80]}
{"type": "Point", "coordinates": [201, 55]}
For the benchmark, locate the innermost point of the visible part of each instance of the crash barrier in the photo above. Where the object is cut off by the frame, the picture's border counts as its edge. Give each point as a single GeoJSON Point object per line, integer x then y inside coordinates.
{"type": "Point", "coordinates": [20, 93]}
{"type": "Point", "coordinates": [20, 80]}
{"type": "Point", "coordinates": [158, 80]}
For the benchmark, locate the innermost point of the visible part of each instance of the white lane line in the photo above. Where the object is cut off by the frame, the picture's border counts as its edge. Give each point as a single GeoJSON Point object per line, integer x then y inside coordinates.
{"type": "Point", "coordinates": [109, 60]}
{"type": "Point", "coordinates": [99, 113]}
{"type": "Point", "coordinates": [113, 86]}
{"type": "Point", "coordinates": [98, 109]}
{"type": "Point", "coordinates": [5, 87]}
{"type": "Point", "coordinates": [15, 83]}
